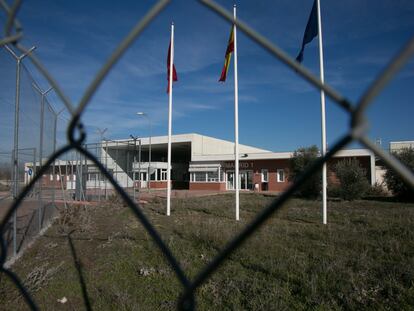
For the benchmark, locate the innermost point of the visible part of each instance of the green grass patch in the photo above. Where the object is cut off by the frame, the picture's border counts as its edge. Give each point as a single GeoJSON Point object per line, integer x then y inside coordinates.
{"type": "Point", "coordinates": [363, 259]}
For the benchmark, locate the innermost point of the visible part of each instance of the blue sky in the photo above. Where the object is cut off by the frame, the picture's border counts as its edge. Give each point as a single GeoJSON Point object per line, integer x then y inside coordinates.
{"type": "Point", "coordinates": [277, 110]}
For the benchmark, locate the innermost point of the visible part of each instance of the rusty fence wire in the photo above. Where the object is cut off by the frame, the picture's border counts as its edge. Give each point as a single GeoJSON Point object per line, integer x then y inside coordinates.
{"type": "Point", "coordinates": [76, 137]}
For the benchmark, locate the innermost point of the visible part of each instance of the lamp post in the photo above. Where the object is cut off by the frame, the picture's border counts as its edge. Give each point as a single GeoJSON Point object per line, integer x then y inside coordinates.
{"type": "Point", "coordinates": [149, 156]}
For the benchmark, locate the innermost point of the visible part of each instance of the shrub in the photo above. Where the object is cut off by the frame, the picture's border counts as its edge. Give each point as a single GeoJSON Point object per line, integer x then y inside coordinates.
{"type": "Point", "coordinates": [301, 160]}
{"type": "Point", "coordinates": [377, 190]}
{"type": "Point", "coordinates": [353, 180]}
{"type": "Point", "coordinates": [394, 183]}
{"type": "Point", "coordinates": [334, 191]}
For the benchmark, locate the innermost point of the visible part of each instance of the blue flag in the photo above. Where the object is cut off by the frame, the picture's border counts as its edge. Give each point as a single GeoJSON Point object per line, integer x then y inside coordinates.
{"type": "Point", "coordinates": [311, 31]}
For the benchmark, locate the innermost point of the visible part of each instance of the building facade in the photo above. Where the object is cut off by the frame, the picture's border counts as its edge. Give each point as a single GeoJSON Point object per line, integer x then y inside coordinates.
{"type": "Point", "coordinates": [198, 163]}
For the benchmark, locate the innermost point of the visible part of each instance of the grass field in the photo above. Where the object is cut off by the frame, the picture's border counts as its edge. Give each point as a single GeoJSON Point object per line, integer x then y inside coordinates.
{"type": "Point", "coordinates": [363, 259]}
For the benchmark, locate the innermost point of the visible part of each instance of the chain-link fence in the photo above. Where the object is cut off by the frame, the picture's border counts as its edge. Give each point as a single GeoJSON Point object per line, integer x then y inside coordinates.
{"type": "Point", "coordinates": [88, 159]}
{"type": "Point", "coordinates": [28, 138]}
{"type": "Point", "coordinates": [121, 159]}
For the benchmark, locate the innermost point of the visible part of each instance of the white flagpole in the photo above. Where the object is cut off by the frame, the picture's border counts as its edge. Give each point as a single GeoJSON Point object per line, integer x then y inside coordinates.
{"type": "Point", "coordinates": [236, 121]}
{"type": "Point", "coordinates": [170, 82]}
{"type": "Point", "coordinates": [323, 118]}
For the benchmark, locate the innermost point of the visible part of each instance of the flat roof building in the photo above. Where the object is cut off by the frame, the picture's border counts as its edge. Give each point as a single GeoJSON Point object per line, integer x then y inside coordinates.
{"type": "Point", "coordinates": [198, 162]}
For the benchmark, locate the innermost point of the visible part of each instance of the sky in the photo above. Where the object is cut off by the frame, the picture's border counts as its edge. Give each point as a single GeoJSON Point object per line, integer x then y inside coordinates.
{"type": "Point", "coordinates": [278, 111]}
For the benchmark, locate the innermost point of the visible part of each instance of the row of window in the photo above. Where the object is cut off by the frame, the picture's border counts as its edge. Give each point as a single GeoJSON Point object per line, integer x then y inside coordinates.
{"type": "Point", "coordinates": [206, 176]}
{"type": "Point", "coordinates": [280, 175]}
{"type": "Point", "coordinates": [161, 175]}
{"type": "Point", "coordinates": [214, 176]}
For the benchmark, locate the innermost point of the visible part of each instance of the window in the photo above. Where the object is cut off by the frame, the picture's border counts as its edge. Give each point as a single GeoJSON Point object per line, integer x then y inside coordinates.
{"type": "Point", "coordinates": [152, 176]}
{"type": "Point", "coordinates": [93, 176]}
{"type": "Point", "coordinates": [163, 174]}
{"type": "Point", "coordinates": [199, 176]}
{"type": "Point", "coordinates": [204, 176]}
{"type": "Point", "coordinates": [212, 176]}
{"type": "Point", "coordinates": [265, 175]}
{"type": "Point", "coordinates": [280, 175]}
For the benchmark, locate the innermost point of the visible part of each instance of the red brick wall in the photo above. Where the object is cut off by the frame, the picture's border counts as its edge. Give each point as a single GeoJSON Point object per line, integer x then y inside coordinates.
{"type": "Point", "coordinates": [158, 184]}
{"type": "Point", "coordinates": [218, 186]}
{"type": "Point", "coordinates": [273, 165]}
{"type": "Point", "coordinates": [154, 184]}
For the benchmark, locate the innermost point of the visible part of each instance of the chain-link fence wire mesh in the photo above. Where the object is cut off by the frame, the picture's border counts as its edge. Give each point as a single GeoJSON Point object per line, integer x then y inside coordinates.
{"type": "Point", "coordinates": [7, 93]}
{"type": "Point", "coordinates": [28, 126]}
{"type": "Point", "coordinates": [77, 136]}
{"type": "Point", "coordinates": [120, 158]}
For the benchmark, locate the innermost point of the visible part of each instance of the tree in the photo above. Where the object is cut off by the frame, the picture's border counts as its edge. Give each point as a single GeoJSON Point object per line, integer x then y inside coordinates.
{"type": "Point", "coordinates": [394, 183]}
{"type": "Point", "coordinates": [353, 179]}
{"type": "Point", "coordinates": [302, 159]}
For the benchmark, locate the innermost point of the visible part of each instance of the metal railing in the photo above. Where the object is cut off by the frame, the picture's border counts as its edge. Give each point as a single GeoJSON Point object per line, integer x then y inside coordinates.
{"type": "Point", "coordinates": [76, 136]}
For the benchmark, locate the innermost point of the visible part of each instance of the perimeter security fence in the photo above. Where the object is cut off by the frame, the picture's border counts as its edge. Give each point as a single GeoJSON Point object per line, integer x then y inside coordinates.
{"type": "Point", "coordinates": [82, 180]}
{"type": "Point", "coordinates": [28, 138]}
{"type": "Point", "coordinates": [76, 138]}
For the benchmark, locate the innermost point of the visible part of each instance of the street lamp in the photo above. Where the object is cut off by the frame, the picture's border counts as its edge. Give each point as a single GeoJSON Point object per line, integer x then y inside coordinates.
{"type": "Point", "coordinates": [143, 114]}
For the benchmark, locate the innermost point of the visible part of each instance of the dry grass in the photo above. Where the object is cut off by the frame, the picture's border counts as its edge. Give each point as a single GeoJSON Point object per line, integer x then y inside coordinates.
{"type": "Point", "coordinates": [364, 258]}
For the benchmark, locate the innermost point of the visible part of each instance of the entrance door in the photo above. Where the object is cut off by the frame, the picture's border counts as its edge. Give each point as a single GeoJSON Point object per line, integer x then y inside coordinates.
{"type": "Point", "coordinates": [230, 180]}
{"type": "Point", "coordinates": [245, 180]}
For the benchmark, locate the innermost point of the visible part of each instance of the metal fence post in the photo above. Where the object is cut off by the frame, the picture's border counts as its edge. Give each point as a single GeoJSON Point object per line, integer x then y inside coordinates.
{"type": "Point", "coordinates": [139, 167]}
{"type": "Point", "coordinates": [106, 166]}
{"type": "Point", "coordinates": [42, 111]}
{"type": "Point", "coordinates": [34, 162]}
{"type": "Point", "coordinates": [127, 166]}
{"type": "Point", "coordinates": [16, 139]}
{"type": "Point", "coordinates": [135, 160]}
{"type": "Point", "coordinates": [42, 118]}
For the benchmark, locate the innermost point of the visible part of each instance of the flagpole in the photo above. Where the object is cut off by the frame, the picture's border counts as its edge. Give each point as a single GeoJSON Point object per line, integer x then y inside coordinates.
{"type": "Point", "coordinates": [170, 122]}
{"type": "Point", "coordinates": [323, 118]}
{"type": "Point", "coordinates": [236, 121]}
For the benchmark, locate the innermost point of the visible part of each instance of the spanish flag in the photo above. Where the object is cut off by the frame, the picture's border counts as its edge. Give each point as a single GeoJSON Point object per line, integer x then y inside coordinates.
{"type": "Point", "coordinates": [227, 57]}
{"type": "Point", "coordinates": [174, 73]}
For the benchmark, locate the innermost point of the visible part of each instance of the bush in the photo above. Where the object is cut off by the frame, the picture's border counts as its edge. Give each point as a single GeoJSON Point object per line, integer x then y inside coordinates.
{"type": "Point", "coordinates": [394, 183]}
{"type": "Point", "coordinates": [334, 191]}
{"type": "Point", "coordinates": [301, 160]}
{"type": "Point", "coordinates": [353, 179]}
{"type": "Point", "coordinates": [377, 190]}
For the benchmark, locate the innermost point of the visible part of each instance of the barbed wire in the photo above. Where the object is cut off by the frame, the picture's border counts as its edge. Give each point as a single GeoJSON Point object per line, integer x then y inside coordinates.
{"type": "Point", "coordinates": [76, 137]}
